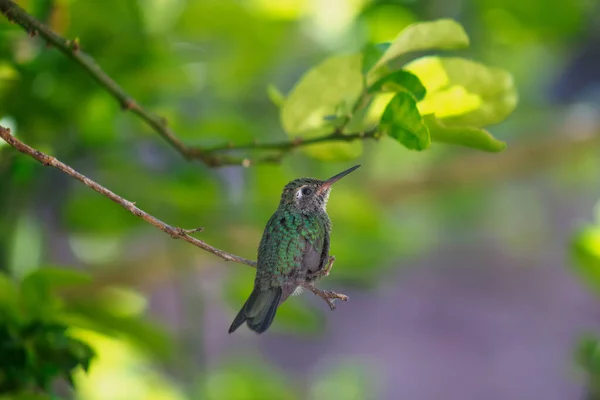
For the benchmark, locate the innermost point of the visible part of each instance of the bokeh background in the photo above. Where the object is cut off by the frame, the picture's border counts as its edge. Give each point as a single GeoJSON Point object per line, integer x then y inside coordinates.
{"type": "Point", "coordinates": [459, 264]}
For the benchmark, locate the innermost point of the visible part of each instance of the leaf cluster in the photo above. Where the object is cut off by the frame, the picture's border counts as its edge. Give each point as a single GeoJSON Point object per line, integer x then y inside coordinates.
{"type": "Point", "coordinates": [429, 99]}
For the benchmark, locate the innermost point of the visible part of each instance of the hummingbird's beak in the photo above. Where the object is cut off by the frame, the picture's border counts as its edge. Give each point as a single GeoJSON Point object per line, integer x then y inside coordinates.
{"type": "Point", "coordinates": [327, 184]}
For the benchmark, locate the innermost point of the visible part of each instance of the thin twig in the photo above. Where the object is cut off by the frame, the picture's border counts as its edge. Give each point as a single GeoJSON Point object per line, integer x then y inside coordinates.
{"type": "Point", "coordinates": [175, 232]}
{"type": "Point", "coordinates": [72, 49]}
{"type": "Point", "coordinates": [289, 145]}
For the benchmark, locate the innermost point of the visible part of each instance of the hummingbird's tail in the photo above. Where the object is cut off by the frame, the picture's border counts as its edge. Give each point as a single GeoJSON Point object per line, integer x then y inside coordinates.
{"type": "Point", "coordinates": [259, 310]}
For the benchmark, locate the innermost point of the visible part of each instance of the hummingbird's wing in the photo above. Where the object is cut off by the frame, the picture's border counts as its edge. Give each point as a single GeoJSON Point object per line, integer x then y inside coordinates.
{"type": "Point", "coordinates": [322, 252]}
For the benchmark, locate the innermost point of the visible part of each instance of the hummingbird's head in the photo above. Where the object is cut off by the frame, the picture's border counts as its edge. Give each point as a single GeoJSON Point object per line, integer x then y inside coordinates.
{"type": "Point", "coordinates": [309, 194]}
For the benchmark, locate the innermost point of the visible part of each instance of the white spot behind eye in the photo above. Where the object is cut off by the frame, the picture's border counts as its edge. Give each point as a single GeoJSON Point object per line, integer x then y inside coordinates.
{"type": "Point", "coordinates": [299, 193]}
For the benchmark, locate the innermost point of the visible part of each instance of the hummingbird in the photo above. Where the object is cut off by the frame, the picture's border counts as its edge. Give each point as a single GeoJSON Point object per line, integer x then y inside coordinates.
{"type": "Point", "coordinates": [293, 251]}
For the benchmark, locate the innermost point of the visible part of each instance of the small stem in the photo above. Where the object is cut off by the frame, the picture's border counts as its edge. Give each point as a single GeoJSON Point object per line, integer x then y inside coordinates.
{"type": "Point", "coordinates": [335, 136]}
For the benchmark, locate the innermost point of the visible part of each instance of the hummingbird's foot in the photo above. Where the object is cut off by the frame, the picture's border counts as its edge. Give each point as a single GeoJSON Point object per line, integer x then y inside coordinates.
{"type": "Point", "coordinates": [324, 272]}
{"type": "Point", "coordinates": [328, 296]}
{"type": "Point", "coordinates": [327, 269]}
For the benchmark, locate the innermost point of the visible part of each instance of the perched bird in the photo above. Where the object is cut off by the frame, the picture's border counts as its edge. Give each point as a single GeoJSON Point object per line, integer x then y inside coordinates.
{"type": "Point", "coordinates": [293, 252]}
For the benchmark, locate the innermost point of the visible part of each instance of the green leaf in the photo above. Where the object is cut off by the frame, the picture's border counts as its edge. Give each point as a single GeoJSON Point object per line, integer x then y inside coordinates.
{"type": "Point", "coordinates": [275, 95]}
{"type": "Point", "coordinates": [585, 251]}
{"type": "Point", "coordinates": [318, 94]}
{"type": "Point", "coordinates": [371, 54]}
{"type": "Point", "coordinates": [402, 121]}
{"type": "Point", "coordinates": [320, 91]}
{"type": "Point", "coordinates": [464, 92]}
{"type": "Point", "coordinates": [443, 34]}
{"type": "Point", "coordinates": [400, 80]}
{"type": "Point", "coordinates": [465, 136]}
{"type": "Point", "coordinates": [81, 352]}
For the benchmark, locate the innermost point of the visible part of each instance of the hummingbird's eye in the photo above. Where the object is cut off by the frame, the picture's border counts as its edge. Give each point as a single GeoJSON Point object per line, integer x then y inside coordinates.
{"type": "Point", "coordinates": [306, 191]}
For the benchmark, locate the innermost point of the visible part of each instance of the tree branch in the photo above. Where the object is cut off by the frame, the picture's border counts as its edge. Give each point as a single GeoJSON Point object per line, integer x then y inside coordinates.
{"type": "Point", "coordinates": [336, 136]}
{"type": "Point", "coordinates": [175, 232]}
{"type": "Point", "coordinates": [72, 49]}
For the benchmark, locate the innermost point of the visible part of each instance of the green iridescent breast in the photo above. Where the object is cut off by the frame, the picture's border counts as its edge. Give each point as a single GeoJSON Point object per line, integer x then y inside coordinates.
{"type": "Point", "coordinates": [285, 243]}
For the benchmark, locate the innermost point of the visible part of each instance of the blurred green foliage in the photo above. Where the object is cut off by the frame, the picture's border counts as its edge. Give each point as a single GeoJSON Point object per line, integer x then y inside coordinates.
{"type": "Point", "coordinates": [585, 262]}
{"type": "Point", "coordinates": [585, 252]}
{"type": "Point", "coordinates": [370, 89]}
{"type": "Point", "coordinates": [36, 342]}
{"type": "Point", "coordinates": [587, 359]}
{"type": "Point", "coordinates": [245, 379]}
{"type": "Point", "coordinates": [35, 347]}
{"type": "Point", "coordinates": [213, 68]}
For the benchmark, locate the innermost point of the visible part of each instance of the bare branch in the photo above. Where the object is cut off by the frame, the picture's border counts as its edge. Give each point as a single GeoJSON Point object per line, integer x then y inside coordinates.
{"type": "Point", "coordinates": [72, 49]}
{"type": "Point", "coordinates": [175, 232]}
{"type": "Point", "coordinates": [287, 145]}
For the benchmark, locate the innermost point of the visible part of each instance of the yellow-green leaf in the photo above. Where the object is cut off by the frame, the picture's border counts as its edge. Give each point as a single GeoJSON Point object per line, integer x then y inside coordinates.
{"type": "Point", "coordinates": [443, 34]}
{"type": "Point", "coordinates": [476, 138]}
{"type": "Point", "coordinates": [464, 92]}
{"type": "Point", "coordinates": [318, 94]}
